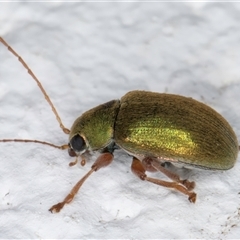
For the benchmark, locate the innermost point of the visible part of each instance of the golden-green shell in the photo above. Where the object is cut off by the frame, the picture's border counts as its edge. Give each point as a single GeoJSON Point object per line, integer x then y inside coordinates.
{"type": "Point", "coordinates": [174, 128]}
{"type": "Point", "coordinates": [96, 126]}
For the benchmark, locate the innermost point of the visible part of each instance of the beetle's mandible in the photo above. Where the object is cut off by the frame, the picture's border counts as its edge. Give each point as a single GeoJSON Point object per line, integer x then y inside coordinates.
{"type": "Point", "coordinates": [154, 128]}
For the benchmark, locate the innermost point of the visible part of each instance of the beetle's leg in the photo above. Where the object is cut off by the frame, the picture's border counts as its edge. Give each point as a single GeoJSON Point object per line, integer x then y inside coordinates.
{"type": "Point", "coordinates": [73, 163]}
{"type": "Point", "coordinates": [158, 166]}
{"type": "Point", "coordinates": [139, 170]}
{"type": "Point", "coordinates": [102, 161]}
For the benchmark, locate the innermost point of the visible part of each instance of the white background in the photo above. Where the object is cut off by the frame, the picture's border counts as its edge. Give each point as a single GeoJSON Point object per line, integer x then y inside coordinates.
{"type": "Point", "coordinates": [86, 54]}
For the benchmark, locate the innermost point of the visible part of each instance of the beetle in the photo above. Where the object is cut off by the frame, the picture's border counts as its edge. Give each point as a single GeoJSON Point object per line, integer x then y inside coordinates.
{"type": "Point", "coordinates": [155, 129]}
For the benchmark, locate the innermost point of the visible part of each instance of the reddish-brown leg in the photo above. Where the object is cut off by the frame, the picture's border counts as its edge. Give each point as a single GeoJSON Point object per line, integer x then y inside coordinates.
{"type": "Point", "coordinates": [102, 161]}
{"type": "Point", "coordinates": [83, 161]}
{"type": "Point", "coordinates": [173, 176]}
{"type": "Point", "coordinates": [139, 170]}
{"type": "Point", "coordinates": [73, 163]}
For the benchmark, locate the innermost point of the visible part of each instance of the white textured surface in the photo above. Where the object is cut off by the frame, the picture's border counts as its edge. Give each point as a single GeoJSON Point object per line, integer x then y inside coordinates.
{"type": "Point", "coordinates": [86, 54]}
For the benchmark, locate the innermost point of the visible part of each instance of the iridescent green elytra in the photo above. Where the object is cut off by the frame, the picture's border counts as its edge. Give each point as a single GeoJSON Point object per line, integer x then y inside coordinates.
{"type": "Point", "coordinates": [165, 127]}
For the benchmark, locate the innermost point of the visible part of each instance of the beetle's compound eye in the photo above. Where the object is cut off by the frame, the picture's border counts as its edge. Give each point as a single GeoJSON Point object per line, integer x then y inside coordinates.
{"type": "Point", "coordinates": [77, 144]}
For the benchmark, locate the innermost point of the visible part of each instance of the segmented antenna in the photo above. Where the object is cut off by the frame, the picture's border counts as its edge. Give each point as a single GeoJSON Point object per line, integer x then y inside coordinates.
{"type": "Point", "coordinates": [65, 146]}
{"type": "Point", "coordinates": [65, 130]}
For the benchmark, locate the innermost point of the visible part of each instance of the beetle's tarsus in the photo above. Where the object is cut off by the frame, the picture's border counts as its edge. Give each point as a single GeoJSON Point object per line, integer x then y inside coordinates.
{"type": "Point", "coordinates": [57, 207]}
{"type": "Point", "coordinates": [189, 185]}
{"type": "Point", "coordinates": [192, 198]}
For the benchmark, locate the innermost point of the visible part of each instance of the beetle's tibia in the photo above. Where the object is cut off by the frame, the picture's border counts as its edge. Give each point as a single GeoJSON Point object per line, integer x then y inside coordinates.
{"type": "Point", "coordinates": [173, 176]}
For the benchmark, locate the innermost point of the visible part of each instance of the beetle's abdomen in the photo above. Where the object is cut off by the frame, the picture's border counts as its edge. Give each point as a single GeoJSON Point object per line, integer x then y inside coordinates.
{"type": "Point", "coordinates": [175, 128]}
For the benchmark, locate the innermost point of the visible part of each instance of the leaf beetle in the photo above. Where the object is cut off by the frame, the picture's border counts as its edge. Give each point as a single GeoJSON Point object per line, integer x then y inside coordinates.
{"type": "Point", "coordinates": [154, 128]}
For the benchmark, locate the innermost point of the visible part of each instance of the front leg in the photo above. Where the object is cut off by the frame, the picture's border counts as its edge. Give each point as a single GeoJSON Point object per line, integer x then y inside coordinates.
{"type": "Point", "coordinates": [102, 161]}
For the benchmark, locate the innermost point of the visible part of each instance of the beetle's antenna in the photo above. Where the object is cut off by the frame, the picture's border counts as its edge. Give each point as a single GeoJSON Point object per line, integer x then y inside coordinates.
{"type": "Point", "coordinates": [65, 130]}
{"type": "Point", "coordinates": [63, 147]}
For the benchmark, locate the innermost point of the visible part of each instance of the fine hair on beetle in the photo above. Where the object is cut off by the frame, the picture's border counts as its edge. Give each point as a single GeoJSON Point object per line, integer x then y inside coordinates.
{"type": "Point", "coordinates": [153, 128]}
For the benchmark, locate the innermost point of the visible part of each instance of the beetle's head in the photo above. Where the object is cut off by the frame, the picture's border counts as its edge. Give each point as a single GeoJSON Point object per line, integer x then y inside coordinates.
{"type": "Point", "coordinates": [93, 130]}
